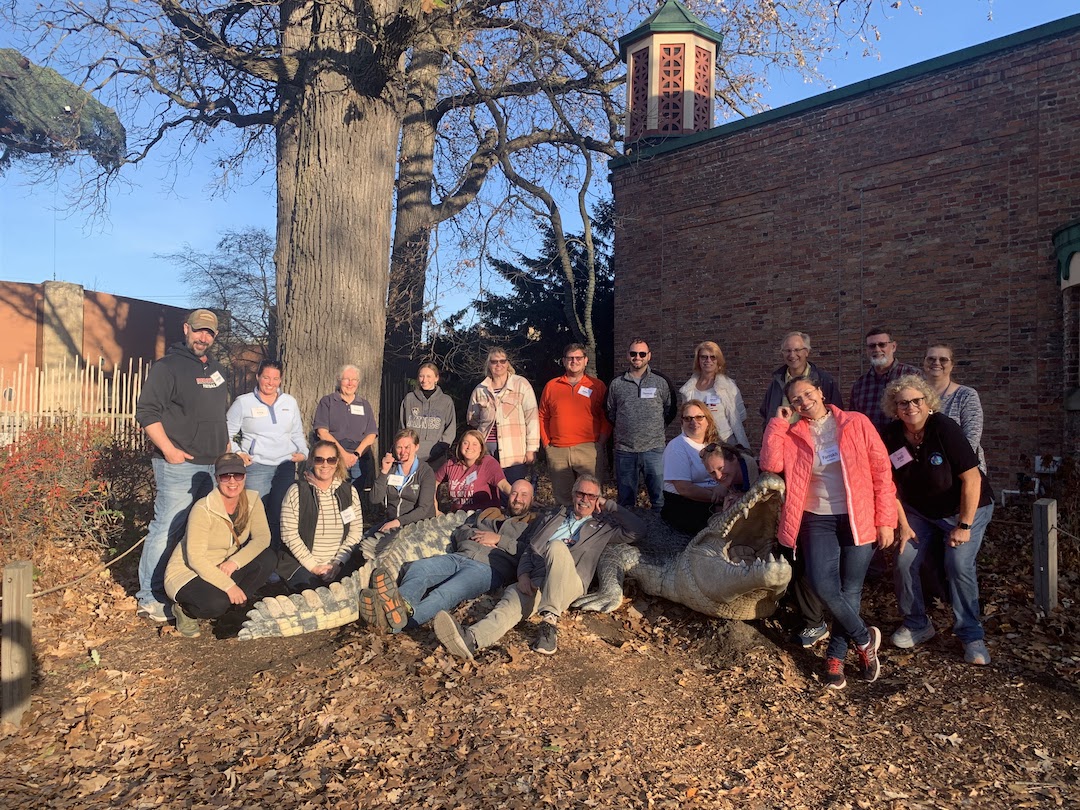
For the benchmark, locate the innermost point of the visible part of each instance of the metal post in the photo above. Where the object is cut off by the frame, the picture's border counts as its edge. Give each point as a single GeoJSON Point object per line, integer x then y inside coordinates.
{"type": "Point", "coordinates": [16, 651]}
{"type": "Point", "coordinates": [1044, 523]}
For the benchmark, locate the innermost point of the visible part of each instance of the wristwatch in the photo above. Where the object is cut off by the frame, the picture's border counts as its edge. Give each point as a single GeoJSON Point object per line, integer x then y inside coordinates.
{"type": "Point", "coordinates": [964, 526]}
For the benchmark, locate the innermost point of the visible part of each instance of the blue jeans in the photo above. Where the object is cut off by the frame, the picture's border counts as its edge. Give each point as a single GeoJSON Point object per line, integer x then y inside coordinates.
{"type": "Point", "coordinates": [177, 487]}
{"type": "Point", "coordinates": [272, 482]}
{"type": "Point", "coordinates": [628, 467]}
{"type": "Point", "coordinates": [447, 580]}
{"type": "Point", "coordinates": [836, 568]}
{"type": "Point", "coordinates": [959, 566]}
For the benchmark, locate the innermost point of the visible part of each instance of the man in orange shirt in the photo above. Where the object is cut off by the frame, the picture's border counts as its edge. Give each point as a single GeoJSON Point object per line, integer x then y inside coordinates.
{"type": "Point", "coordinates": [573, 425]}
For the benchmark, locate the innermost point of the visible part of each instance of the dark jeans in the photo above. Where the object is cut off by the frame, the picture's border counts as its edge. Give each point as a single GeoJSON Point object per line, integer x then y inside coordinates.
{"type": "Point", "coordinates": [806, 601]}
{"type": "Point", "coordinates": [684, 514]}
{"type": "Point", "coordinates": [201, 600]}
{"type": "Point", "coordinates": [836, 568]}
{"type": "Point", "coordinates": [630, 467]}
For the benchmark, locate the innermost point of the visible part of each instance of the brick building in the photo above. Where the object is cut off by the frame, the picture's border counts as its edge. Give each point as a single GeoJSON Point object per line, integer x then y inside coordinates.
{"type": "Point", "coordinates": [940, 201]}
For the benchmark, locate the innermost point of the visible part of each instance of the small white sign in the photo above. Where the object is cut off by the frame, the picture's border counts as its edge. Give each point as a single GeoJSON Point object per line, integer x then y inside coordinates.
{"type": "Point", "coordinates": [395, 480]}
{"type": "Point", "coordinates": [260, 412]}
{"type": "Point", "coordinates": [830, 454]}
{"type": "Point", "coordinates": [217, 378]}
{"type": "Point", "coordinates": [470, 478]}
{"type": "Point", "coordinates": [356, 410]}
{"type": "Point", "coordinates": [585, 391]}
{"type": "Point", "coordinates": [900, 458]}
{"type": "Point", "coordinates": [348, 515]}
{"type": "Point", "coordinates": [648, 393]}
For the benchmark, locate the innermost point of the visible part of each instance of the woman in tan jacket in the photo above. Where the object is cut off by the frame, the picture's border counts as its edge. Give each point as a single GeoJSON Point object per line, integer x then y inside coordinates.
{"type": "Point", "coordinates": [225, 554]}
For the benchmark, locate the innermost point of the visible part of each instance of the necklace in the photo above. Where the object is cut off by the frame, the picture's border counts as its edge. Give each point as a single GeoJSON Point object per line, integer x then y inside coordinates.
{"type": "Point", "coordinates": [916, 437]}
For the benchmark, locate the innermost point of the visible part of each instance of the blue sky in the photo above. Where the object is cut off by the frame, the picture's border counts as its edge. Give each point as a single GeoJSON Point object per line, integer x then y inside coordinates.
{"type": "Point", "coordinates": [162, 205]}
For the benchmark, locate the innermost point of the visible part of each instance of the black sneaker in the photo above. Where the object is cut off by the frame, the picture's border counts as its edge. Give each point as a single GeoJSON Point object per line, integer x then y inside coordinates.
{"type": "Point", "coordinates": [834, 674]}
{"type": "Point", "coordinates": [547, 639]}
{"type": "Point", "coordinates": [458, 641]}
{"type": "Point", "coordinates": [811, 635]}
{"type": "Point", "coordinates": [185, 625]}
{"type": "Point", "coordinates": [868, 661]}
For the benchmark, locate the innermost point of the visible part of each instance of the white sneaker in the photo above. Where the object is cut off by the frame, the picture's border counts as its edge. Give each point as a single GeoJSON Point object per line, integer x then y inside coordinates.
{"type": "Point", "coordinates": [905, 637]}
{"type": "Point", "coordinates": [155, 611]}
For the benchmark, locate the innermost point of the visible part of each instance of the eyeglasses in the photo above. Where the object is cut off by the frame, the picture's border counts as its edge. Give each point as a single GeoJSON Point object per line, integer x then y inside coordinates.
{"type": "Point", "coordinates": [941, 361]}
{"type": "Point", "coordinates": [588, 496]}
{"type": "Point", "coordinates": [879, 345]}
{"type": "Point", "coordinates": [324, 459]}
{"type": "Point", "coordinates": [706, 357]}
{"type": "Point", "coordinates": [502, 362]}
{"type": "Point", "coordinates": [700, 417]}
{"type": "Point", "coordinates": [577, 358]}
{"type": "Point", "coordinates": [807, 398]}
{"type": "Point", "coordinates": [231, 476]}
{"type": "Point", "coordinates": [904, 404]}
{"type": "Point", "coordinates": [793, 351]}
{"type": "Point", "coordinates": [638, 354]}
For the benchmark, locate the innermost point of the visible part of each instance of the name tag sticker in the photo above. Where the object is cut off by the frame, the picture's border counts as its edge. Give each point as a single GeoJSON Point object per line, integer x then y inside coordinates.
{"type": "Point", "coordinates": [900, 458]}
{"type": "Point", "coordinates": [471, 478]}
{"type": "Point", "coordinates": [217, 378]}
{"type": "Point", "coordinates": [260, 411]}
{"type": "Point", "coordinates": [585, 391]}
{"type": "Point", "coordinates": [830, 454]}
{"type": "Point", "coordinates": [395, 480]}
{"type": "Point", "coordinates": [356, 410]}
{"type": "Point", "coordinates": [712, 399]}
{"type": "Point", "coordinates": [648, 393]}
{"type": "Point", "coordinates": [348, 515]}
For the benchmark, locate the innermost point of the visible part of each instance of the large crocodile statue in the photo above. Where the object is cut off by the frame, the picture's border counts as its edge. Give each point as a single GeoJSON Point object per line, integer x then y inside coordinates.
{"type": "Point", "coordinates": [731, 569]}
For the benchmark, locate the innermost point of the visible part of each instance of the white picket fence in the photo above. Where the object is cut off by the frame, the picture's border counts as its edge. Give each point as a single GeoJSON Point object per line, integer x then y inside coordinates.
{"type": "Point", "coordinates": [31, 396]}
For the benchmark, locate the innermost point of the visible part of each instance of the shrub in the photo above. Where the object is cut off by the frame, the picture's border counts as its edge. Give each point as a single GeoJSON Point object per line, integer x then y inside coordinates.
{"type": "Point", "coordinates": [54, 490]}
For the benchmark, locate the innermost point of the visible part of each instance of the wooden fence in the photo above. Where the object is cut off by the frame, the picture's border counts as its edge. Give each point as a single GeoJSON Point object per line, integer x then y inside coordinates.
{"type": "Point", "coordinates": [31, 396]}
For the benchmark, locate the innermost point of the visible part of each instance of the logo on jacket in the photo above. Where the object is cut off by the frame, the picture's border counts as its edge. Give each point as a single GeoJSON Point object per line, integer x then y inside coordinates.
{"type": "Point", "coordinates": [937, 459]}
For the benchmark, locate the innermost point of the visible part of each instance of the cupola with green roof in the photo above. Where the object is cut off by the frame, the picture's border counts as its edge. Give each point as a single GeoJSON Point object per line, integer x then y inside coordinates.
{"type": "Point", "coordinates": [671, 61]}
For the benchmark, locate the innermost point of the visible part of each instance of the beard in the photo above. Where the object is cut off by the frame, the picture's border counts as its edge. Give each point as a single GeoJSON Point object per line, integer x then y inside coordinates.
{"type": "Point", "coordinates": [879, 362]}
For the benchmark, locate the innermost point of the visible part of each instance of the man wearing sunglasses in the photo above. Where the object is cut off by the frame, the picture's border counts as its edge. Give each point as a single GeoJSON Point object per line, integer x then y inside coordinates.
{"type": "Point", "coordinates": [884, 368]}
{"type": "Point", "coordinates": [557, 566]}
{"type": "Point", "coordinates": [182, 409]}
{"type": "Point", "coordinates": [640, 404]}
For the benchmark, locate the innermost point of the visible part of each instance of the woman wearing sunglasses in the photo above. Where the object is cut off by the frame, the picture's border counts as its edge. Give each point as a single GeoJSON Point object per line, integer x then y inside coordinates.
{"type": "Point", "coordinates": [945, 501]}
{"type": "Point", "coordinates": [689, 491]}
{"type": "Point", "coordinates": [503, 408]}
{"type": "Point", "coordinates": [711, 385]}
{"type": "Point", "coordinates": [321, 524]}
{"type": "Point", "coordinates": [840, 501]}
{"type": "Point", "coordinates": [225, 555]}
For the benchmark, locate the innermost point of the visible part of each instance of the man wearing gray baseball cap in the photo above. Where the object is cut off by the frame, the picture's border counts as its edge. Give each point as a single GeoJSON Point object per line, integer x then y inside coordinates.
{"type": "Point", "coordinates": [182, 409]}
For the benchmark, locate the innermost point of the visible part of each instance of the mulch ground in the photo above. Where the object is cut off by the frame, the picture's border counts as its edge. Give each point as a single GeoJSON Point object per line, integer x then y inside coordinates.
{"type": "Point", "coordinates": [651, 707]}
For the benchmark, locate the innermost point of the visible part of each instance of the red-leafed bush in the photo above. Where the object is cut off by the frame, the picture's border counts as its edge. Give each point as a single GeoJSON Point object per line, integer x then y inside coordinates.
{"type": "Point", "coordinates": [57, 489]}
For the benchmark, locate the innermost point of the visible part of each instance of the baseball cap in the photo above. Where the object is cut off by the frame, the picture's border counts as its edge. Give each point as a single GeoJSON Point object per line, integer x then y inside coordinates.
{"type": "Point", "coordinates": [203, 319]}
{"type": "Point", "coordinates": [229, 463]}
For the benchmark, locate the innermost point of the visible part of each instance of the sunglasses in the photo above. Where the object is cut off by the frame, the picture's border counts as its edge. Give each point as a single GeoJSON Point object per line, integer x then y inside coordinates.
{"type": "Point", "coordinates": [502, 362]}
{"type": "Point", "coordinates": [232, 476]}
{"type": "Point", "coordinates": [638, 354]}
{"type": "Point", "coordinates": [574, 359]}
{"type": "Point", "coordinates": [589, 496]}
{"type": "Point", "coordinates": [325, 459]}
{"type": "Point", "coordinates": [698, 418]}
{"type": "Point", "coordinates": [881, 345]}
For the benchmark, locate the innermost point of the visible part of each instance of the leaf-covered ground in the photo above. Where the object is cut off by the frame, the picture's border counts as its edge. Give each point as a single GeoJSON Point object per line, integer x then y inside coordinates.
{"type": "Point", "coordinates": [652, 707]}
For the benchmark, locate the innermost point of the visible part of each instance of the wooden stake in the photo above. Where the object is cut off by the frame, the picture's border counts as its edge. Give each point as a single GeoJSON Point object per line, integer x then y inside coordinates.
{"type": "Point", "coordinates": [1044, 523]}
{"type": "Point", "coordinates": [16, 649]}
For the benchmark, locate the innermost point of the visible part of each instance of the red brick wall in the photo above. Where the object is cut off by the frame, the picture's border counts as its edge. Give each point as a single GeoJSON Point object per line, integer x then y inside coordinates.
{"type": "Point", "coordinates": [926, 205]}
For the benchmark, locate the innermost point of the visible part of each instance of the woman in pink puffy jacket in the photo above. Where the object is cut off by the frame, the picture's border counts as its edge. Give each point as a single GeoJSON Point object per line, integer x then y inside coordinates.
{"type": "Point", "coordinates": [840, 501]}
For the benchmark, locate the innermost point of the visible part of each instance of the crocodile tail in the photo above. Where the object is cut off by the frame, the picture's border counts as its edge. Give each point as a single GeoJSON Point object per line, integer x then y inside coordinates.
{"type": "Point", "coordinates": [319, 609]}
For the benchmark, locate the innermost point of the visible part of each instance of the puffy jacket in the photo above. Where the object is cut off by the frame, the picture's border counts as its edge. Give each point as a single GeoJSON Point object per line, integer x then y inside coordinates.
{"type": "Point", "coordinates": [871, 495]}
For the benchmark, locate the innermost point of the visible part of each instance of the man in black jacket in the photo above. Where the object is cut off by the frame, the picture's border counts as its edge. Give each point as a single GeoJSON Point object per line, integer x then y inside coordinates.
{"type": "Point", "coordinates": [556, 568]}
{"type": "Point", "coordinates": [182, 409]}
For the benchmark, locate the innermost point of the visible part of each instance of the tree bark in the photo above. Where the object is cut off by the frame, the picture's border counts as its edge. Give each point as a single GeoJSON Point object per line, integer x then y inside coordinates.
{"type": "Point", "coordinates": [336, 151]}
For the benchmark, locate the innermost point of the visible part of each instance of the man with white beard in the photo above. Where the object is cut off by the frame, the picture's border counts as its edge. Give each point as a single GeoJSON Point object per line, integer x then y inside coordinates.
{"type": "Point", "coordinates": [884, 368]}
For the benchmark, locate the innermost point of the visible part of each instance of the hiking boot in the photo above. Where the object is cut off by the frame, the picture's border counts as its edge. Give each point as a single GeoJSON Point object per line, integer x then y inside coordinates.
{"type": "Point", "coordinates": [833, 678]}
{"type": "Point", "coordinates": [371, 608]}
{"type": "Point", "coordinates": [905, 637]}
{"type": "Point", "coordinates": [394, 608]}
{"type": "Point", "coordinates": [154, 611]}
{"type": "Point", "coordinates": [869, 665]}
{"type": "Point", "coordinates": [458, 641]}
{"type": "Point", "coordinates": [185, 625]}
{"type": "Point", "coordinates": [547, 639]}
{"type": "Point", "coordinates": [811, 635]}
{"type": "Point", "coordinates": [975, 652]}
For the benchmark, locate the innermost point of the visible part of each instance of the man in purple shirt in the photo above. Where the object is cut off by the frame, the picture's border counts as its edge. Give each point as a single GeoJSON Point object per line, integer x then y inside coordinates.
{"type": "Point", "coordinates": [884, 368]}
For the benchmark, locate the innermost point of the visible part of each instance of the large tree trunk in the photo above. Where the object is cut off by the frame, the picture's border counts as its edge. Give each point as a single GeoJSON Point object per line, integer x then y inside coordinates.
{"type": "Point", "coordinates": [336, 151]}
{"type": "Point", "coordinates": [414, 216]}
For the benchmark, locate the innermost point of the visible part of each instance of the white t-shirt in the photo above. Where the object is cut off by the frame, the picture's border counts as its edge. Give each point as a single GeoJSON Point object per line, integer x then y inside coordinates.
{"type": "Point", "coordinates": [682, 463]}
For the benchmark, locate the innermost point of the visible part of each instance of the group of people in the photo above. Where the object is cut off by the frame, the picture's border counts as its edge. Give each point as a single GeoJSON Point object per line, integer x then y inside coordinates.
{"type": "Point", "coordinates": [902, 468]}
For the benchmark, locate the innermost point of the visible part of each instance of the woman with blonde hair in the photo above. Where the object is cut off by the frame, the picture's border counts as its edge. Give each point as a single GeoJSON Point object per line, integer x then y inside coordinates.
{"type": "Point", "coordinates": [503, 408]}
{"type": "Point", "coordinates": [945, 501]}
{"type": "Point", "coordinates": [710, 385]}
{"type": "Point", "coordinates": [689, 490]}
